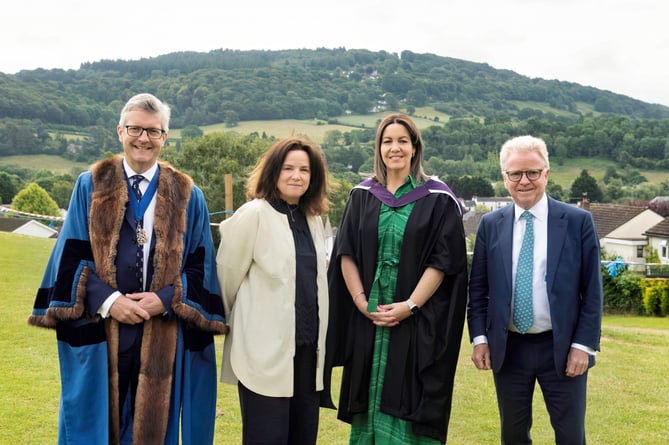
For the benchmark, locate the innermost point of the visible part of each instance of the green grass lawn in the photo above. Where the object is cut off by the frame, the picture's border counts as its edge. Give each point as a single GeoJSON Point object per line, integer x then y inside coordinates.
{"type": "Point", "coordinates": [628, 395]}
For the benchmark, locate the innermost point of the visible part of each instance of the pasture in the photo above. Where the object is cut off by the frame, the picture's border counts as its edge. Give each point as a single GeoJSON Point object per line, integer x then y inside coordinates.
{"type": "Point", "coordinates": [628, 395]}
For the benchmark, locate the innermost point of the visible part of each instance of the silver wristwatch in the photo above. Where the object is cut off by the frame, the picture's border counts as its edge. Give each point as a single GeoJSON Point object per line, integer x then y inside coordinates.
{"type": "Point", "coordinates": [413, 307]}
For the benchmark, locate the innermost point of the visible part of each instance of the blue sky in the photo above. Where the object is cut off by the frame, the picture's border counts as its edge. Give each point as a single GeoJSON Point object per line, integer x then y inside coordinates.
{"type": "Point", "coordinates": [616, 45]}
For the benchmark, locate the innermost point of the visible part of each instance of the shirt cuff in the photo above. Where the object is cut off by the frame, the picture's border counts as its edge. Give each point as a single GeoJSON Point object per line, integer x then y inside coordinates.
{"type": "Point", "coordinates": [480, 340]}
{"type": "Point", "coordinates": [106, 306]}
{"type": "Point", "coordinates": [587, 349]}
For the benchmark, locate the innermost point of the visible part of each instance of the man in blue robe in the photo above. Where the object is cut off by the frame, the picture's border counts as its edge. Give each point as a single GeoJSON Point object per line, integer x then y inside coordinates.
{"type": "Point", "coordinates": [132, 293]}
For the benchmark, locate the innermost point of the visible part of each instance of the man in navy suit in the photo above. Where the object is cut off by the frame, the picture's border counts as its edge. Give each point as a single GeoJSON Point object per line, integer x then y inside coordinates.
{"type": "Point", "coordinates": [556, 343]}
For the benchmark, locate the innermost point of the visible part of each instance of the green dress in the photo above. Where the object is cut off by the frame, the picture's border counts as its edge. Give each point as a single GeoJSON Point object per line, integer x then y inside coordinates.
{"type": "Point", "coordinates": [375, 427]}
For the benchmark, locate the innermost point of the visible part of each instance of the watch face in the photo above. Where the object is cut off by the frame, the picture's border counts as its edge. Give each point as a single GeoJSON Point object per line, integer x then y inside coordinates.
{"type": "Point", "coordinates": [414, 310]}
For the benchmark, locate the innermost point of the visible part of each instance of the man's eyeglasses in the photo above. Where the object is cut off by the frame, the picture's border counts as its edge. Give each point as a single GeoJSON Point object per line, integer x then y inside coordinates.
{"type": "Point", "coordinates": [517, 175]}
{"type": "Point", "coordinates": [153, 133]}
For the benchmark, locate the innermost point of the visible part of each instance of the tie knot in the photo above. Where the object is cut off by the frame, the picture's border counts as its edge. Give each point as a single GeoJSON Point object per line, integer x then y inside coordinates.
{"type": "Point", "coordinates": [136, 179]}
{"type": "Point", "coordinates": [527, 215]}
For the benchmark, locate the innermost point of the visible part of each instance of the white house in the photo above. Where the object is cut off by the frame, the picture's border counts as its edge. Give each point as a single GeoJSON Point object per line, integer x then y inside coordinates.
{"type": "Point", "coordinates": [27, 227]}
{"type": "Point", "coordinates": [622, 229]}
{"type": "Point", "coordinates": [492, 203]}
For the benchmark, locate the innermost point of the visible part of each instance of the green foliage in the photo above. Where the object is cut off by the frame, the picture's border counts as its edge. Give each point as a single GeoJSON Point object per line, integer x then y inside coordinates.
{"type": "Point", "coordinates": [586, 185]}
{"type": "Point", "coordinates": [191, 132]}
{"type": "Point", "coordinates": [555, 191]}
{"type": "Point", "coordinates": [209, 158]}
{"type": "Point", "coordinates": [656, 296]}
{"type": "Point", "coordinates": [622, 293]}
{"type": "Point", "coordinates": [340, 188]}
{"type": "Point", "coordinates": [304, 84]}
{"type": "Point", "coordinates": [34, 199]}
{"type": "Point", "coordinates": [9, 185]}
{"type": "Point", "coordinates": [465, 187]}
{"type": "Point", "coordinates": [652, 255]}
{"type": "Point", "coordinates": [467, 110]}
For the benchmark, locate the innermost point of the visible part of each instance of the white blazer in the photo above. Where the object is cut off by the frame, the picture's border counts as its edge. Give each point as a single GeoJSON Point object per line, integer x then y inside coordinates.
{"type": "Point", "coordinates": [256, 271]}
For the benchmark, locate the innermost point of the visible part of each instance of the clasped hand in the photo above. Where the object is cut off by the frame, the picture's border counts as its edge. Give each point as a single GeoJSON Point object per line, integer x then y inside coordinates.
{"type": "Point", "coordinates": [389, 314]}
{"type": "Point", "coordinates": [136, 308]}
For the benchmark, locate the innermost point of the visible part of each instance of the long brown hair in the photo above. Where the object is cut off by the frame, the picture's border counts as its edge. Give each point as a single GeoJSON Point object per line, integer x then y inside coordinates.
{"type": "Point", "coordinates": [416, 171]}
{"type": "Point", "coordinates": [264, 177]}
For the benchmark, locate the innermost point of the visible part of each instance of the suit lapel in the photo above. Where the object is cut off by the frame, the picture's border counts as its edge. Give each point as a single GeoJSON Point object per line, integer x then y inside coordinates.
{"type": "Point", "coordinates": [557, 231]}
{"type": "Point", "coordinates": [505, 237]}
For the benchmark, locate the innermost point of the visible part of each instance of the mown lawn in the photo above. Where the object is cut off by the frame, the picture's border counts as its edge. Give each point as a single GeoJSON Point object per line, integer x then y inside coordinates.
{"type": "Point", "coordinates": [628, 398]}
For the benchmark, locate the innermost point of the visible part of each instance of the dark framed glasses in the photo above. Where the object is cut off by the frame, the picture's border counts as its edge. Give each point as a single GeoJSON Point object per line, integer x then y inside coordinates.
{"type": "Point", "coordinates": [517, 175]}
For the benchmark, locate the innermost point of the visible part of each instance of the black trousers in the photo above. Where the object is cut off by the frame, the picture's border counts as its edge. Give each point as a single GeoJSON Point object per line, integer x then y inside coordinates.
{"type": "Point", "coordinates": [130, 347]}
{"type": "Point", "coordinates": [284, 420]}
{"type": "Point", "coordinates": [529, 359]}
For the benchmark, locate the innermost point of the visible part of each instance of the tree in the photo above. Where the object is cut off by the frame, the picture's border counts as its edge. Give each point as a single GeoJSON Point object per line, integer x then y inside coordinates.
{"type": "Point", "coordinates": [34, 199]}
{"type": "Point", "coordinates": [61, 192]}
{"type": "Point", "coordinates": [231, 118]}
{"type": "Point", "coordinates": [555, 190]}
{"type": "Point", "coordinates": [586, 184]}
{"type": "Point", "coordinates": [466, 187]}
{"type": "Point", "coordinates": [191, 132]}
{"type": "Point", "coordinates": [339, 191]}
{"type": "Point", "coordinates": [8, 186]}
{"type": "Point", "coordinates": [209, 158]}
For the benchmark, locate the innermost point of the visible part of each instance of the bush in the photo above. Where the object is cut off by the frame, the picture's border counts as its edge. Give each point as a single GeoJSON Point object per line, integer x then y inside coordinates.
{"type": "Point", "coordinates": [622, 293]}
{"type": "Point", "coordinates": [655, 296]}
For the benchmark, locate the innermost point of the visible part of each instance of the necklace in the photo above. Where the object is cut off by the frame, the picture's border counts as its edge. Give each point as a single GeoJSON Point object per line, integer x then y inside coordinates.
{"type": "Point", "coordinates": [291, 209]}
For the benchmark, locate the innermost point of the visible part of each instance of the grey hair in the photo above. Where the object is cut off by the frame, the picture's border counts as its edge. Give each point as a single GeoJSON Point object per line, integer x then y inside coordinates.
{"type": "Point", "coordinates": [523, 144]}
{"type": "Point", "coordinates": [149, 103]}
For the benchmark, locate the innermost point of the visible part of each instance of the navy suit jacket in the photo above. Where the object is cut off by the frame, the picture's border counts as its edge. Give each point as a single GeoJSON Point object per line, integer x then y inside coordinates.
{"type": "Point", "coordinates": [573, 281]}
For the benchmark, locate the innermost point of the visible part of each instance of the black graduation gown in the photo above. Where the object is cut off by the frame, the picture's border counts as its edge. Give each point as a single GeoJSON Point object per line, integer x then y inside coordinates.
{"type": "Point", "coordinates": [423, 350]}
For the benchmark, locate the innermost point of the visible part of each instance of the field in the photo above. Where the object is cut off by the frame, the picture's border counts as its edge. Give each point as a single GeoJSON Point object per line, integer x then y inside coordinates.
{"type": "Point", "coordinates": [628, 391]}
{"type": "Point", "coordinates": [562, 174]}
{"type": "Point", "coordinates": [314, 130]}
{"type": "Point", "coordinates": [55, 164]}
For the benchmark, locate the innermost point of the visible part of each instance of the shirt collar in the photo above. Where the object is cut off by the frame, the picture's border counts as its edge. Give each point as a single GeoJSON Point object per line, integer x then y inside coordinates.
{"type": "Point", "coordinates": [539, 210]}
{"type": "Point", "coordinates": [148, 175]}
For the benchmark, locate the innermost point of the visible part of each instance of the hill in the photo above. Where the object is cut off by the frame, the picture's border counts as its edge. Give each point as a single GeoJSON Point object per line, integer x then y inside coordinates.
{"type": "Point", "coordinates": [336, 97]}
{"type": "Point", "coordinates": [229, 85]}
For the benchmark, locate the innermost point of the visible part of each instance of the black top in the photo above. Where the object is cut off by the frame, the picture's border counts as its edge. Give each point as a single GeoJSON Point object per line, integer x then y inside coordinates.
{"type": "Point", "coordinates": [306, 287]}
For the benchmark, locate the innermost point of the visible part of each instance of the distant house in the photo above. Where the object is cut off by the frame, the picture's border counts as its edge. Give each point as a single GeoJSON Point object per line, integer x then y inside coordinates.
{"type": "Point", "coordinates": [29, 227]}
{"type": "Point", "coordinates": [622, 229]}
{"type": "Point", "coordinates": [492, 203]}
{"type": "Point", "coordinates": [658, 239]}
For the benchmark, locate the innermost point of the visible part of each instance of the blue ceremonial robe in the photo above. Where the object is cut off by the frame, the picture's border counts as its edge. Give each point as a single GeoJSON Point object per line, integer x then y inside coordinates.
{"type": "Point", "coordinates": [177, 386]}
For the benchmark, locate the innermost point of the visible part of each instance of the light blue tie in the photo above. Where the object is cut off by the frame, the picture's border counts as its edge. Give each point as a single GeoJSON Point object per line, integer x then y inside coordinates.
{"type": "Point", "coordinates": [522, 300]}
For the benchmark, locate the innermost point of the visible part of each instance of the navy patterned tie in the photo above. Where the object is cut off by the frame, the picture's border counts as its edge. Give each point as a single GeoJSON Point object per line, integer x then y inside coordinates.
{"type": "Point", "coordinates": [522, 299]}
{"type": "Point", "coordinates": [139, 260]}
{"type": "Point", "coordinates": [136, 180]}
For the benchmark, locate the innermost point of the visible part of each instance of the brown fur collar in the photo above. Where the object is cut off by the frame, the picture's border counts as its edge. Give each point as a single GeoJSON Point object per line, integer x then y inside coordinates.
{"type": "Point", "coordinates": [107, 213]}
{"type": "Point", "coordinates": [108, 207]}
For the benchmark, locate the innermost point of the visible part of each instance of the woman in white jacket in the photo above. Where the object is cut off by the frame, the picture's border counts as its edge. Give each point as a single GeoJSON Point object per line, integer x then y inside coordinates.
{"type": "Point", "coordinates": [272, 270]}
